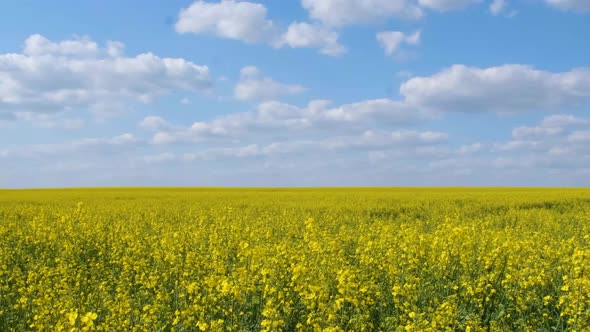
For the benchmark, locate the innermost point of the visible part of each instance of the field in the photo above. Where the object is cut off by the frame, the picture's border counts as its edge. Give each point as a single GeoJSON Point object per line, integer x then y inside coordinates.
{"type": "Point", "coordinates": [371, 259]}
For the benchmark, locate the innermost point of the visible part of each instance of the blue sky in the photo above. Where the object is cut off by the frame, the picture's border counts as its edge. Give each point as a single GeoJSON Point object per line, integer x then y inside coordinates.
{"type": "Point", "coordinates": [295, 93]}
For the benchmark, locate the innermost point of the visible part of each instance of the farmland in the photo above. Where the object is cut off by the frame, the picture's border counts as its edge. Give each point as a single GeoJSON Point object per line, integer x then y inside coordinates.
{"type": "Point", "coordinates": [346, 259]}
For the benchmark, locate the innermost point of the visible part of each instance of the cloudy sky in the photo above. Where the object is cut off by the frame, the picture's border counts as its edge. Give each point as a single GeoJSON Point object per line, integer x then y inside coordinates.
{"type": "Point", "coordinates": [295, 93]}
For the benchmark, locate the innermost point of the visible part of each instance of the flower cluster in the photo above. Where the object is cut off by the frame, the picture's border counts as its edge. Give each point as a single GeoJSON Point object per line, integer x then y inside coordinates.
{"type": "Point", "coordinates": [295, 260]}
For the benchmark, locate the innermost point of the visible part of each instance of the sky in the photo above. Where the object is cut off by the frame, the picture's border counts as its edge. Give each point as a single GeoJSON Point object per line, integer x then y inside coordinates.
{"type": "Point", "coordinates": [295, 93]}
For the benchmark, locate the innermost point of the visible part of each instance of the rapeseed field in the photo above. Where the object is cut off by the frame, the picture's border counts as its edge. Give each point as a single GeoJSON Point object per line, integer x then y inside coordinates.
{"type": "Point", "coordinates": [371, 259]}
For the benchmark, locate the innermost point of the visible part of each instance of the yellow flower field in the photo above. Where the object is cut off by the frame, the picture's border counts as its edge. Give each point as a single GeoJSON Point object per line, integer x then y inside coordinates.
{"type": "Point", "coordinates": [295, 260]}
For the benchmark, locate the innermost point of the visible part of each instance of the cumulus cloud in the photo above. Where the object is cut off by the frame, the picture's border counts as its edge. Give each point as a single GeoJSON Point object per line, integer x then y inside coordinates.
{"type": "Point", "coordinates": [574, 5]}
{"type": "Point", "coordinates": [551, 126]}
{"type": "Point", "coordinates": [37, 45]}
{"type": "Point", "coordinates": [553, 133]}
{"type": "Point", "coordinates": [391, 41]}
{"type": "Point", "coordinates": [276, 117]}
{"type": "Point", "coordinates": [49, 121]}
{"type": "Point", "coordinates": [241, 20]}
{"type": "Point", "coordinates": [563, 120]}
{"type": "Point", "coordinates": [160, 158]}
{"type": "Point", "coordinates": [80, 146]}
{"type": "Point", "coordinates": [78, 75]}
{"type": "Point", "coordinates": [502, 89]}
{"type": "Point", "coordinates": [338, 13]}
{"type": "Point", "coordinates": [469, 149]}
{"type": "Point", "coordinates": [348, 12]}
{"type": "Point", "coordinates": [446, 5]}
{"type": "Point", "coordinates": [369, 140]}
{"type": "Point", "coordinates": [497, 6]}
{"type": "Point", "coordinates": [579, 136]}
{"type": "Point", "coordinates": [301, 34]}
{"type": "Point", "coordinates": [154, 123]}
{"type": "Point", "coordinates": [115, 49]}
{"type": "Point", "coordinates": [248, 22]}
{"type": "Point", "coordinates": [534, 132]}
{"type": "Point", "coordinates": [520, 145]}
{"type": "Point", "coordinates": [417, 154]}
{"type": "Point", "coordinates": [254, 86]}
{"type": "Point", "coordinates": [552, 152]}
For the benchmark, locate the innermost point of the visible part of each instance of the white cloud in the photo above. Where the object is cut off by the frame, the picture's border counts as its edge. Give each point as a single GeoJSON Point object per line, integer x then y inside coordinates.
{"type": "Point", "coordinates": [446, 5]}
{"type": "Point", "coordinates": [50, 121]}
{"type": "Point", "coordinates": [563, 120]}
{"type": "Point", "coordinates": [555, 136]}
{"type": "Point", "coordinates": [79, 147]}
{"type": "Point", "coordinates": [154, 123]}
{"type": "Point", "coordinates": [372, 139]}
{"type": "Point", "coordinates": [254, 86]}
{"type": "Point", "coordinates": [369, 140]}
{"type": "Point", "coordinates": [574, 5]}
{"type": "Point", "coordinates": [349, 12]}
{"type": "Point", "coordinates": [37, 45]}
{"type": "Point", "coordinates": [339, 13]}
{"type": "Point", "coordinates": [579, 136]}
{"type": "Point", "coordinates": [534, 132]}
{"type": "Point", "coordinates": [452, 163]}
{"type": "Point", "coordinates": [413, 39]}
{"type": "Point", "coordinates": [497, 6]}
{"type": "Point", "coordinates": [519, 145]}
{"type": "Point", "coordinates": [274, 116]}
{"type": "Point", "coordinates": [469, 149]}
{"type": "Point", "coordinates": [503, 89]}
{"type": "Point", "coordinates": [404, 74]}
{"type": "Point", "coordinates": [241, 20]}
{"type": "Point", "coordinates": [551, 127]}
{"type": "Point", "coordinates": [417, 157]}
{"type": "Point", "coordinates": [160, 158]}
{"type": "Point", "coordinates": [248, 22]}
{"type": "Point", "coordinates": [511, 163]}
{"type": "Point", "coordinates": [381, 110]}
{"type": "Point", "coordinates": [115, 48]}
{"type": "Point", "coordinates": [551, 151]}
{"type": "Point", "coordinates": [301, 34]}
{"type": "Point", "coordinates": [166, 137]}
{"type": "Point", "coordinates": [376, 156]}
{"type": "Point", "coordinates": [391, 41]}
{"type": "Point", "coordinates": [77, 75]}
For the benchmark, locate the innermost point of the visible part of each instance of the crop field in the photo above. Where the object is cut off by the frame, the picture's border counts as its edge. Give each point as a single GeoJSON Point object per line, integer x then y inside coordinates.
{"type": "Point", "coordinates": [363, 259]}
